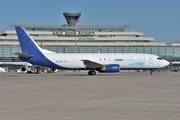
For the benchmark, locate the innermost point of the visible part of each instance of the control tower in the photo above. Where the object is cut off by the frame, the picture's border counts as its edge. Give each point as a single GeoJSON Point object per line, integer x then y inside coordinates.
{"type": "Point", "coordinates": [72, 17]}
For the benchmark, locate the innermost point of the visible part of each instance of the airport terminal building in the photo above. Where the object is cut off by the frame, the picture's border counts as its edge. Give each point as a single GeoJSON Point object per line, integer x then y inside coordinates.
{"type": "Point", "coordinates": [77, 38]}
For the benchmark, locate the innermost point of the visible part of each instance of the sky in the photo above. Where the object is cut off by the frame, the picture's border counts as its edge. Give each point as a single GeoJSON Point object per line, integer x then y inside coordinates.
{"type": "Point", "coordinates": [159, 19]}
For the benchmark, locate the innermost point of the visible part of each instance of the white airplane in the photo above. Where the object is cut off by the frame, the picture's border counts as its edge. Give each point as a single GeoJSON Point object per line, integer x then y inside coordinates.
{"type": "Point", "coordinates": [24, 65]}
{"type": "Point", "coordinates": [15, 63]}
{"type": "Point", "coordinates": [27, 67]}
{"type": "Point", "coordinates": [2, 70]}
{"type": "Point", "coordinates": [106, 62]}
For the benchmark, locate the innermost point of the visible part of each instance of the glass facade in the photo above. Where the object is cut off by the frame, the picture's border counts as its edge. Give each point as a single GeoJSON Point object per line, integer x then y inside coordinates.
{"type": "Point", "coordinates": [173, 52]}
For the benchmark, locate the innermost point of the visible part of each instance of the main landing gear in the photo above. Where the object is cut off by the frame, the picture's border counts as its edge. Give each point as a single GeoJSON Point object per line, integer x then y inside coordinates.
{"type": "Point", "coordinates": [92, 72]}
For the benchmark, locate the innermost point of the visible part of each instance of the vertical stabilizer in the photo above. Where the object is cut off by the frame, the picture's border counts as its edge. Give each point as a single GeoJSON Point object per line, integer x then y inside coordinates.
{"type": "Point", "coordinates": [31, 52]}
{"type": "Point", "coordinates": [27, 44]}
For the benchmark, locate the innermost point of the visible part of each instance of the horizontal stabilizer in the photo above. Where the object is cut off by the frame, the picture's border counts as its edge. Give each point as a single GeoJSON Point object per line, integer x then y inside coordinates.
{"type": "Point", "coordinates": [23, 55]}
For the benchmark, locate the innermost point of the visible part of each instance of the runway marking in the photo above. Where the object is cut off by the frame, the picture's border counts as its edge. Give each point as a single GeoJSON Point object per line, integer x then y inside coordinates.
{"type": "Point", "coordinates": [85, 109]}
{"type": "Point", "coordinates": [127, 84]}
{"type": "Point", "coordinates": [91, 83]}
{"type": "Point", "coordinates": [168, 86]}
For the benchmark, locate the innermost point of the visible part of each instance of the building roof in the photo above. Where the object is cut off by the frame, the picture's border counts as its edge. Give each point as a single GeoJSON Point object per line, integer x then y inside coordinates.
{"type": "Point", "coordinates": [79, 26]}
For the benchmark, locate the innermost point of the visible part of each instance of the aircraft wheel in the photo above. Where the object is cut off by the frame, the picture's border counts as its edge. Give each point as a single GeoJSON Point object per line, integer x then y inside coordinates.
{"type": "Point", "coordinates": [91, 73]}
{"type": "Point", "coordinates": [38, 71]}
{"type": "Point", "coordinates": [152, 73]}
{"type": "Point", "coordinates": [29, 72]}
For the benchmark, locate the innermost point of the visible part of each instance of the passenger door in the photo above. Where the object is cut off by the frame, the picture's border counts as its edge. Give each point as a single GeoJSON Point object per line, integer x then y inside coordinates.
{"type": "Point", "coordinates": [150, 60]}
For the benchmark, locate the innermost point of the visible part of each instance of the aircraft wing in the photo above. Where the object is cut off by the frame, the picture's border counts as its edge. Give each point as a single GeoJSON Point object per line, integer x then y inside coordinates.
{"type": "Point", "coordinates": [23, 55]}
{"type": "Point", "coordinates": [92, 65]}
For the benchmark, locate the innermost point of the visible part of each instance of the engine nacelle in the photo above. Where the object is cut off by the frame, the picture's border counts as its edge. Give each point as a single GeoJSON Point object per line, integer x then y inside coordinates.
{"type": "Point", "coordinates": [26, 69]}
{"type": "Point", "coordinates": [23, 68]}
{"type": "Point", "coordinates": [110, 68]}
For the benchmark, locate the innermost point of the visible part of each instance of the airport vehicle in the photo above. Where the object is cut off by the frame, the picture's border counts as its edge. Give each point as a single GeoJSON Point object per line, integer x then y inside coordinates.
{"type": "Point", "coordinates": [102, 62]}
{"type": "Point", "coordinates": [175, 69]}
{"type": "Point", "coordinates": [175, 66]}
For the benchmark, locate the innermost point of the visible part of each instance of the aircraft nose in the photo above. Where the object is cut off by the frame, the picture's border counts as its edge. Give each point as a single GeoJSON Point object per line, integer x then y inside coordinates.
{"type": "Point", "coordinates": [166, 63]}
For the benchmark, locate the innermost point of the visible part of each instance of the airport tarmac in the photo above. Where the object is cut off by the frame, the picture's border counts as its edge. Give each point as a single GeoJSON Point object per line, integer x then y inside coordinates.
{"type": "Point", "coordinates": [77, 96]}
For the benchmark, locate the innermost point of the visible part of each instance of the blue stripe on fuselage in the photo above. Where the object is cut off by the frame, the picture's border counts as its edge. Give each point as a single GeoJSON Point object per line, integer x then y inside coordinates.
{"type": "Point", "coordinates": [137, 64]}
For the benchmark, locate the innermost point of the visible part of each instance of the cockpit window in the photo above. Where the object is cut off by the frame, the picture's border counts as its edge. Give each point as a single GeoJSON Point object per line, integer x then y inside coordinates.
{"type": "Point", "coordinates": [159, 58]}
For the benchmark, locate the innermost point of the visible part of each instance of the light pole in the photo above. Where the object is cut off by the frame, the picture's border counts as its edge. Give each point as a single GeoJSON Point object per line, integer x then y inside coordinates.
{"type": "Point", "coordinates": [76, 35]}
{"type": "Point", "coordinates": [75, 38]}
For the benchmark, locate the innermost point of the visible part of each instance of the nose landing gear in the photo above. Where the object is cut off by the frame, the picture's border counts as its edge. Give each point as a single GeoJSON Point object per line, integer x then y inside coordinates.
{"type": "Point", "coordinates": [152, 72]}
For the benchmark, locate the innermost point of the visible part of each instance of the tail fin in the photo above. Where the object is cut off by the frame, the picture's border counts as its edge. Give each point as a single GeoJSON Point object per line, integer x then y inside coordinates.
{"type": "Point", "coordinates": [28, 45]}
{"type": "Point", "coordinates": [31, 52]}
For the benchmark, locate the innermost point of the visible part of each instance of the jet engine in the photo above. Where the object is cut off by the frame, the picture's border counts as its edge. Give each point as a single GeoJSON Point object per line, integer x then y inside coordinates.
{"type": "Point", "coordinates": [110, 68]}
{"type": "Point", "coordinates": [26, 69]}
{"type": "Point", "coordinates": [23, 68]}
